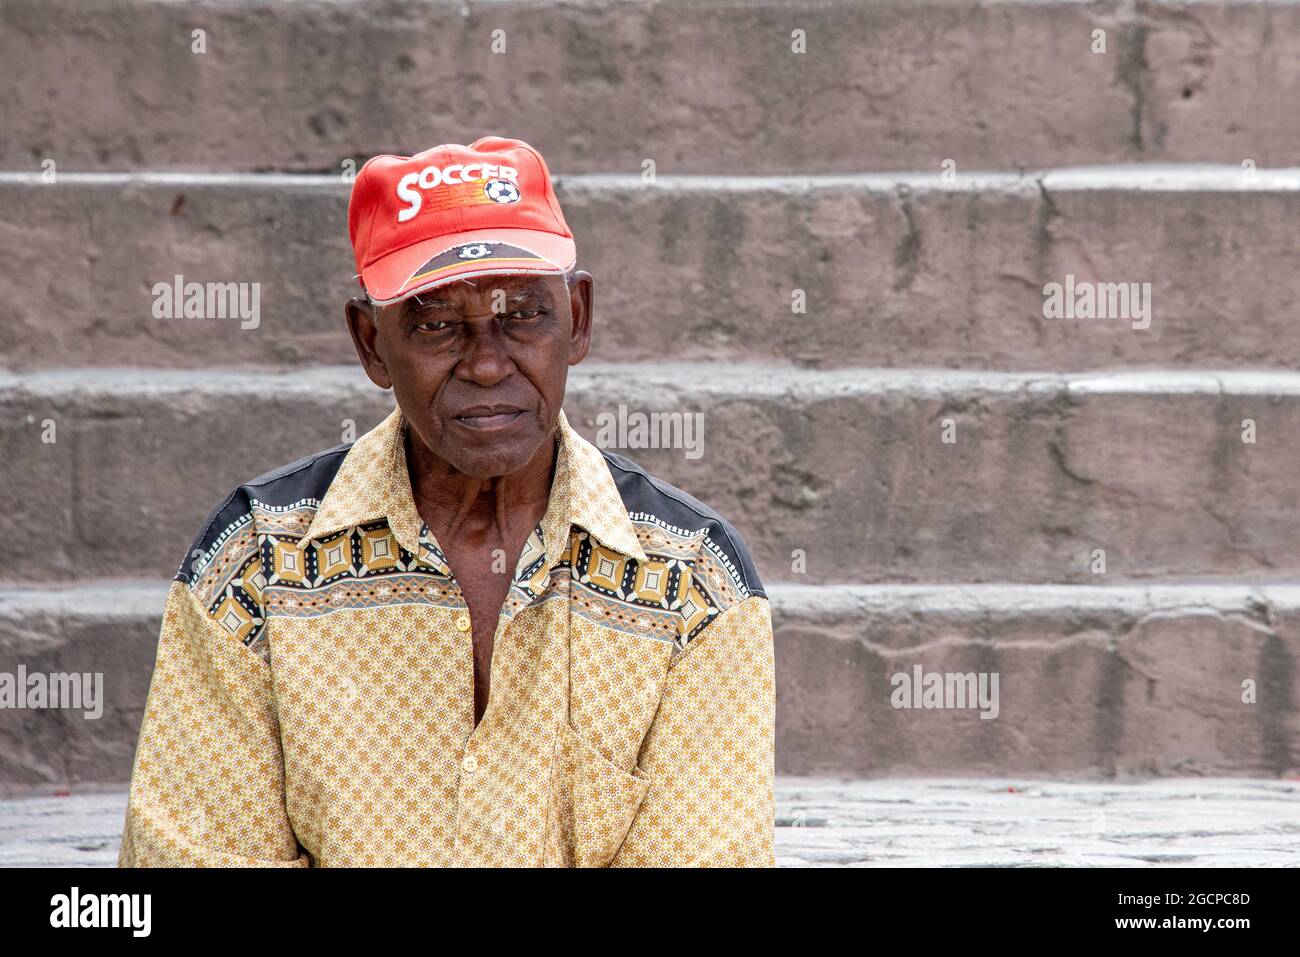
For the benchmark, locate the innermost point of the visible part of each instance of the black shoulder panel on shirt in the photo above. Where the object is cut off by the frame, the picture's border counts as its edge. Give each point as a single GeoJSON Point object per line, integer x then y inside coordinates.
{"type": "Point", "coordinates": [305, 480]}
{"type": "Point", "coordinates": [643, 493]}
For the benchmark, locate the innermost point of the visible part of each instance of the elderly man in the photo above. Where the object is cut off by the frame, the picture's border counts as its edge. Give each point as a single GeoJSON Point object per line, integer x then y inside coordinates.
{"type": "Point", "coordinates": [471, 637]}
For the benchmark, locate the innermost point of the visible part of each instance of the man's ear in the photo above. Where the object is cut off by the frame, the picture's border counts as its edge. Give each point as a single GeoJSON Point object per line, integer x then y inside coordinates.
{"type": "Point", "coordinates": [580, 301]}
{"type": "Point", "coordinates": [363, 323]}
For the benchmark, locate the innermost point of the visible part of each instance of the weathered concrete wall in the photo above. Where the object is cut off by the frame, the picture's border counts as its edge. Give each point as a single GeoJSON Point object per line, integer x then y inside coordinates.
{"type": "Point", "coordinates": [896, 270]}
{"type": "Point", "coordinates": [1110, 681]}
{"type": "Point", "coordinates": [850, 466]}
{"type": "Point", "coordinates": [695, 86]}
{"type": "Point", "coordinates": [947, 462]}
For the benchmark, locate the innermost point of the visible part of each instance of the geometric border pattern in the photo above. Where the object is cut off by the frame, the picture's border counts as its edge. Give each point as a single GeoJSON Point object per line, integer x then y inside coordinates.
{"type": "Point", "coordinates": [365, 567]}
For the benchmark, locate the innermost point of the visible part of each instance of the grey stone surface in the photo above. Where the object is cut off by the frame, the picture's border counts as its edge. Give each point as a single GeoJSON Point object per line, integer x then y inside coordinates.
{"type": "Point", "coordinates": [1018, 823]}
{"type": "Point", "coordinates": [882, 823]}
{"type": "Point", "coordinates": [822, 428]}
{"type": "Point", "coordinates": [1128, 680]}
{"type": "Point", "coordinates": [898, 270]}
{"type": "Point", "coordinates": [1116, 680]}
{"type": "Point", "coordinates": [848, 465]}
{"type": "Point", "coordinates": [694, 85]}
{"type": "Point", "coordinates": [104, 628]}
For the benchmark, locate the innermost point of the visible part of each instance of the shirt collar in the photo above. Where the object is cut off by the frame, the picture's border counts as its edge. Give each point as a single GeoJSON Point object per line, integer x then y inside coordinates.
{"type": "Point", "coordinates": [373, 484]}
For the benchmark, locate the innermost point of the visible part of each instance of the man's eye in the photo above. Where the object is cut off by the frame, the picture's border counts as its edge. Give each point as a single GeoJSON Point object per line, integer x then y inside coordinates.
{"type": "Point", "coordinates": [432, 325]}
{"type": "Point", "coordinates": [525, 314]}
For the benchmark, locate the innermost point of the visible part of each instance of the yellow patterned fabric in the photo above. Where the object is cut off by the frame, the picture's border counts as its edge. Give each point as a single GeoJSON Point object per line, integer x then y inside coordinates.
{"type": "Point", "coordinates": [313, 703]}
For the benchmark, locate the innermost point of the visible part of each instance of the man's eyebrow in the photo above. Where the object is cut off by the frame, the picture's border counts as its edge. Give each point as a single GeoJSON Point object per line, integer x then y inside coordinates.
{"type": "Point", "coordinates": [428, 302]}
{"type": "Point", "coordinates": [514, 293]}
{"type": "Point", "coordinates": [526, 292]}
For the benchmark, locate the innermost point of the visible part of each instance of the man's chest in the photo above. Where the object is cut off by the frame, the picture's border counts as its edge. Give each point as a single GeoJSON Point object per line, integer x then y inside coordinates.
{"type": "Point", "coordinates": [479, 574]}
{"type": "Point", "coordinates": [376, 707]}
{"type": "Point", "coordinates": [483, 577]}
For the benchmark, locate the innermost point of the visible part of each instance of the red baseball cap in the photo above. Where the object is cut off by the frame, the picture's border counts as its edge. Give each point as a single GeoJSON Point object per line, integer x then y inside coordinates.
{"type": "Point", "coordinates": [452, 212]}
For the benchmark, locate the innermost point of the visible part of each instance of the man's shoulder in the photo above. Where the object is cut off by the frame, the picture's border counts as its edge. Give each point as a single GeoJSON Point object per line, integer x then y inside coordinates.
{"type": "Point", "coordinates": [671, 515]}
{"type": "Point", "coordinates": [284, 498]}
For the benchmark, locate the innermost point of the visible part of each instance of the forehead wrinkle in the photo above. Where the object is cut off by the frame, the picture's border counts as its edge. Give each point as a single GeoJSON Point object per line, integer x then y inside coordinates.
{"type": "Point", "coordinates": [517, 291]}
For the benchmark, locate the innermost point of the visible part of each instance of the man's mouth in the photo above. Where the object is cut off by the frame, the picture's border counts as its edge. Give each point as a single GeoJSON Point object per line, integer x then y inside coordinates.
{"type": "Point", "coordinates": [488, 418]}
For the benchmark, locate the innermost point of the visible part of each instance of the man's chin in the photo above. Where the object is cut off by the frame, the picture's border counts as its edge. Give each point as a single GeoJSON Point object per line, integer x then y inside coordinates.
{"type": "Point", "coordinates": [487, 454]}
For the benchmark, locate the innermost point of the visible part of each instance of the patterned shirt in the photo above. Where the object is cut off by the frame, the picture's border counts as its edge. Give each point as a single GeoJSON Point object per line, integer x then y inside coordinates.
{"type": "Point", "coordinates": [313, 698]}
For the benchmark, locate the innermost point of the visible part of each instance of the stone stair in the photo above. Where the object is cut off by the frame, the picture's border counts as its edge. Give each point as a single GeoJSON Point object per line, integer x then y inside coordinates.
{"type": "Point", "coordinates": [925, 468]}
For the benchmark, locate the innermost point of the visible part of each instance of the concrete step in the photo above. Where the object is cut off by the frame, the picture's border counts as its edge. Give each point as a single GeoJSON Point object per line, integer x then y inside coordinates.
{"type": "Point", "coordinates": [845, 471]}
{"type": "Point", "coordinates": [1107, 680]}
{"type": "Point", "coordinates": [896, 269]}
{"type": "Point", "coordinates": [107, 628]}
{"type": "Point", "coordinates": [945, 822]}
{"type": "Point", "coordinates": [695, 86]}
{"type": "Point", "coordinates": [1097, 681]}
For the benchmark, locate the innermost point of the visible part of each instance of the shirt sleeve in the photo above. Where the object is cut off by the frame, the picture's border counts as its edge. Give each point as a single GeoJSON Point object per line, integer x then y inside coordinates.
{"type": "Point", "coordinates": [710, 751]}
{"type": "Point", "coordinates": [207, 786]}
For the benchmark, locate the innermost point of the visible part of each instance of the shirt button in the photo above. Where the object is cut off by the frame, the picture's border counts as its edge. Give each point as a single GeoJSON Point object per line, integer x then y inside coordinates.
{"type": "Point", "coordinates": [462, 623]}
{"type": "Point", "coordinates": [470, 764]}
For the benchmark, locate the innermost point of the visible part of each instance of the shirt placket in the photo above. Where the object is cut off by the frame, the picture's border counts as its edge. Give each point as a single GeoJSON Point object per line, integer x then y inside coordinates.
{"type": "Point", "coordinates": [476, 754]}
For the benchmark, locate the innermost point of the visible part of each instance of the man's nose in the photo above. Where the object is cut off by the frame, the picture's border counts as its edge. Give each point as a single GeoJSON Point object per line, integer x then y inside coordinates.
{"type": "Point", "coordinates": [485, 354]}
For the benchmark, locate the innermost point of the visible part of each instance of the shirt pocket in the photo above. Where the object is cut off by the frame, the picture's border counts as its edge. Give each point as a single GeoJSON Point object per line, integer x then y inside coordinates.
{"type": "Point", "coordinates": [592, 803]}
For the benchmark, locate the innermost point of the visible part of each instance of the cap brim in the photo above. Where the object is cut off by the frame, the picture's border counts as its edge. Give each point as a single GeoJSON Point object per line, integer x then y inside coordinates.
{"type": "Point", "coordinates": [483, 252]}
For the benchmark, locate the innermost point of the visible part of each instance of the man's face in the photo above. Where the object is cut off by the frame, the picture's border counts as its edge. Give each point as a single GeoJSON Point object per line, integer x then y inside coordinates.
{"type": "Point", "coordinates": [478, 366]}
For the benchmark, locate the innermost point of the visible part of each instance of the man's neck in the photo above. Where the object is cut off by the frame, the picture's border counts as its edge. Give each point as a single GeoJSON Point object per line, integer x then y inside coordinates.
{"type": "Point", "coordinates": [472, 509]}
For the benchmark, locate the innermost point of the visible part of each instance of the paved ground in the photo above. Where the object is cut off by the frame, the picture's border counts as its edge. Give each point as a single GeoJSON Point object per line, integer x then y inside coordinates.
{"type": "Point", "coordinates": [822, 822]}
{"type": "Point", "coordinates": [1179, 822]}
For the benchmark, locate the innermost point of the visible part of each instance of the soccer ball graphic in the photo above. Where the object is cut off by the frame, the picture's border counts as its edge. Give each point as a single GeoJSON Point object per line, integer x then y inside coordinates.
{"type": "Point", "coordinates": [501, 191]}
